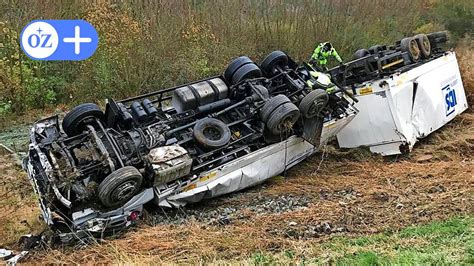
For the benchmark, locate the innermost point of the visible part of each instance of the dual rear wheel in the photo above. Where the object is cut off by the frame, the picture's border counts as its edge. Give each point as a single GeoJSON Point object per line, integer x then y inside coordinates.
{"type": "Point", "coordinates": [240, 69]}
{"type": "Point", "coordinates": [279, 114]}
{"type": "Point", "coordinates": [417, 47]}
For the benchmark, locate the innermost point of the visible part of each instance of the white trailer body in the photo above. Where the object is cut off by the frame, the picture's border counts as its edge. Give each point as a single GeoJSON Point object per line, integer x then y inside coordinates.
{"type": "Point", "coordinates": [255, 167]}
{"type": "Point", "coordinates": [396, 111]}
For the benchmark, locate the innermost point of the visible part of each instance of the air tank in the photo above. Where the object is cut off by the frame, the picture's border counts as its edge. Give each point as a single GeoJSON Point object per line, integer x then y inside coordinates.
{"type": "Point", "coordinates": [149, 107]}
{"type": "Point", "coordinates": [197, 94]}
{"type": "Point", "coordinates": [127, 118]}
{"type": "Point", "coordinates": [138, 112]}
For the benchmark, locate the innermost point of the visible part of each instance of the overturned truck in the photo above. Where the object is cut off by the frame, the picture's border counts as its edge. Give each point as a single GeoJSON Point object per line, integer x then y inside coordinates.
{"type": "Point", "coordinates": [406, 91]}
{"type": "Point", "coordinates": [96, 170]}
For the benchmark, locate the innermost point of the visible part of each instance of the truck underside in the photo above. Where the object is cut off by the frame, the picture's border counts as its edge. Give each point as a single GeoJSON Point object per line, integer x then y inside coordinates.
{"type": "Point", "coordinates": [96, 170]}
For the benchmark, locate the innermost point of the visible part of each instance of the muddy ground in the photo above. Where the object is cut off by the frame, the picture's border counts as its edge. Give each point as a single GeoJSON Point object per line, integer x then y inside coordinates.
{"type": "Point", "coordinates": [333, 193]}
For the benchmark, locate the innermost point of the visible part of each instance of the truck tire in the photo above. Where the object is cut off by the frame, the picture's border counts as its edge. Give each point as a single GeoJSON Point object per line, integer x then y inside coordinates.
{"type": "Point", "coordinates": [283, 118]}
{"type": "Point", "coordinates": [313, 103]}
{"type": "Point", "coordinates": [275, 58]}
{"type": "Point", "coordinates": [120, 186]}
{"type": "Point", "coordinates": [375, 49]}
{"type": "Point", "coordinates": [211, 133]}
{"type": "Point", "coordinates": [437, 38]}
{"type": "Point", "coordinates": [410, 46]}
{"type": "Point", "coordinates": [247, 71]}
{"type": "Point", "coordinates": [272, 104]}
{"type": "Point", "coordinates": [423, 44]}
{"type": "Point", "coordinates": [360, 53]}
{"type": "Point", "coordinates": [234, 66]}
{"type": "Point", "coordinates": [74, 121]}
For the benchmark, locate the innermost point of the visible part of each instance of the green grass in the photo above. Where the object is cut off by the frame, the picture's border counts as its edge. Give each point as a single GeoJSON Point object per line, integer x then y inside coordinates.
{"type": "Point", "coordinates": [444, 242]}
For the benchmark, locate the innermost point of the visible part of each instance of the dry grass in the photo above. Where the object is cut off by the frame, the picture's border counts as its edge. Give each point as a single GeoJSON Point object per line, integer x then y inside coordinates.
{"type": "Point", "coordinates": [18, 204]}
{"type": "Point", "coordinates": [466, 63]}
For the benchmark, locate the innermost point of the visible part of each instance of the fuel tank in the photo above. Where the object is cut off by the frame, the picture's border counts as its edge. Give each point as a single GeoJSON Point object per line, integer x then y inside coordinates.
{"type": "Point", "coordinates": [197, 94]}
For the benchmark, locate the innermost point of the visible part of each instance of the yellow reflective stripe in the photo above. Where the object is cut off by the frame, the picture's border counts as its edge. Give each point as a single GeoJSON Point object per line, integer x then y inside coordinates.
{"type": "Point", "coordinates": [329, 90]}
{"type": "Point", "coordinates": [314, 74]}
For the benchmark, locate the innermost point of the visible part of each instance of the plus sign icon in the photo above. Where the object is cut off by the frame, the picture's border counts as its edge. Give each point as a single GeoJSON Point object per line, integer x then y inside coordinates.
{"type": "Point", "coordinates": [59, 40]}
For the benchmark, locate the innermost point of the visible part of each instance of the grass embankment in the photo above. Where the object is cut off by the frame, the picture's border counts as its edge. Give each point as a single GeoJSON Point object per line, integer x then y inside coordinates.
{"type": "Point", "coordinates": [441, 242]}
{"type": "Point", "coordinates": [19, 210]}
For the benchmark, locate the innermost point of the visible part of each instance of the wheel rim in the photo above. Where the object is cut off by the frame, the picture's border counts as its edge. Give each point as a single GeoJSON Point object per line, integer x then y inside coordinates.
{"type": "Point", "coordinates": [124, 191]}
{"type": "Point", "coordinates": [212, 133]}
{"type": "Point", "coordinates": [286, 123]}
{"type": "Point", "coordinates": [316, 108]}
{"type": "Point", "coordinates": [426, 43]}
{"type": "Point", "coordinates": [414, 50]}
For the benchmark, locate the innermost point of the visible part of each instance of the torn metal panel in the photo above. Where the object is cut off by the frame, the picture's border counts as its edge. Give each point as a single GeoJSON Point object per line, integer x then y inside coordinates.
{"type": "Point", "coordinates": [246, 171]}
{"type": "Point", "coordinates": [254, 168]}
{"type": "Point", "coordinates": [5, 254]}
{"type": "Point", "coordinates": [14, 260]}
{"type": "Point", "coordinates": [85, 218]}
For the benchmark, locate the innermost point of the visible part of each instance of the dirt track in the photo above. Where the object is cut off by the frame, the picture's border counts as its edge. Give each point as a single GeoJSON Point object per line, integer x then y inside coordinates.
{"type": "Point", "coordinates": [353, 193]}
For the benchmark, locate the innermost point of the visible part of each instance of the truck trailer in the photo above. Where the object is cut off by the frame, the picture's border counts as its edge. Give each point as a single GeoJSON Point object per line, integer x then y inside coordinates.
{"type": "Point", "coordinates": [405, 92]}
{"type": "Point", "coordinates": [397, 111]}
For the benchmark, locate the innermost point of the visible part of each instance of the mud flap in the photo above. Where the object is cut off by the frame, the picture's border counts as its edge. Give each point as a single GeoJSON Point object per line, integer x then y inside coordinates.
{"type": "Point", "coordinates": [312, 129]}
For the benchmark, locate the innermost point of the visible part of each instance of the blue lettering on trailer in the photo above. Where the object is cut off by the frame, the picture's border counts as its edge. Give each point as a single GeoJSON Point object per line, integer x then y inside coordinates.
{"type": "Point", "coordinates": [450, 99]}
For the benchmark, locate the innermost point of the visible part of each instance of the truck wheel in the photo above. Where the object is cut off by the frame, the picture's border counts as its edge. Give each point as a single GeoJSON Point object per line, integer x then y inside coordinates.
{"type": "Point", "coordinates": [211, 133]}
{"type": "Point", "coordinates": [360, 53]}
{"type": "Point", "coordinates": [120, 186]}
{"type": "Point", "coordinates": [375, 49]}
{"type": "Point", "coordinates": [74, 121]}
{"type": "Point", "coordinates": [275, 58]}
{"type": "Point", "coordinates": [409, 45]}
{"type": "Point", "coordinates": [247, 71]}
{"type": "Point", "coordinates": [313, 103]}
{"type": "Point", "coordinates": [283, 118]}
{"type": "Point", "coordinates": [423, 44]}
{"type": "Point", "coordinates": [234, 66]}
{"type": "Point", "coordinates": [436, 38]}
{"type": "Point", "coordinates": [272, 104]}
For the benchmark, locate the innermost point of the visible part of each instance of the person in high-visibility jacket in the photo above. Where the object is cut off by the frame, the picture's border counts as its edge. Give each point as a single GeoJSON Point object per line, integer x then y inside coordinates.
{"type": "Point", "coordinates": [321, 54]}
{"type": "Point", "coordinates": [320, 80]}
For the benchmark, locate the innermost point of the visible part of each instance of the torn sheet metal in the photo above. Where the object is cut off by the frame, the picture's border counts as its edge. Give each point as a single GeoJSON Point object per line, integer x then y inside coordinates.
{"type": "Point", "coordinates": [89, 221]}
{"type": "Point", "coordinates": [14, 260]}
{"type": "Point", "coordinates": [396, 112]}
{"type": "Point", "coordinates": [254, 168]}
{"type": "Point", "coordinates": [5, 253]}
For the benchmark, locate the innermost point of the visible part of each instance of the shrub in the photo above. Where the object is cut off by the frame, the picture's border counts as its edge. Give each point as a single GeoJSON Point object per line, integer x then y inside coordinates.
{"type": "Point", "coordinates": [145, 46]}
{"type": "Point", "coordinates": [456, 15]}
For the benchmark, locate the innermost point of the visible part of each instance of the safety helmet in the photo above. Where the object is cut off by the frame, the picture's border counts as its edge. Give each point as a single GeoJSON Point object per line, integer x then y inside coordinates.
{"type": "Point", "coordinates": [327, 46]}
